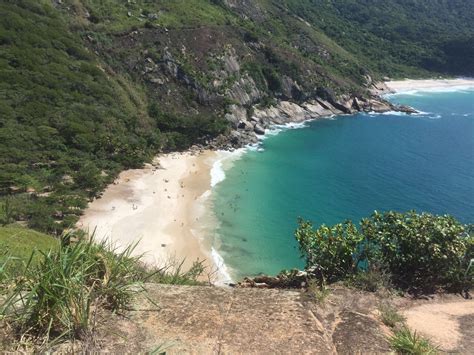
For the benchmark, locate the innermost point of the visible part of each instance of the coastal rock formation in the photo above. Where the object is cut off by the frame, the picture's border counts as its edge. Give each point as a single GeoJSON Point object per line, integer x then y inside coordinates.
{"type": "Point", "coordinates": [248, 123]}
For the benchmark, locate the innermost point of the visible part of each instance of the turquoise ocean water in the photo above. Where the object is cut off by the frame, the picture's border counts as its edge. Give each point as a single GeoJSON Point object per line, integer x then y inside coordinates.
{"type": "Point", "coordinates": [345, 168]}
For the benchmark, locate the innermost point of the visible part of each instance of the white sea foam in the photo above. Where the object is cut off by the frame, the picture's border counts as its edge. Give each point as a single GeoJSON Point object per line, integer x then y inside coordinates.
{"type": "Point", "coordinates": [387, 113]}
{"type": "Point", "coordinates": [292, 125]}
{"type": "Point", "coordinates": [430, 90]}
{"type": "Point", "coordinates": [222, 269]}
{"type": "Point", "coordinates": [218, 169]}
{"type": "Point", "coordinates": [217, 173]}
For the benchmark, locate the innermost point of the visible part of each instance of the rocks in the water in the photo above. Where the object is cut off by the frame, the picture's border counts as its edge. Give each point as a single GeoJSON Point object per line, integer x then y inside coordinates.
{"type": "Point", "coordinates": [406, 109]}
{"type": "Point", "coordinates": [380, 106]}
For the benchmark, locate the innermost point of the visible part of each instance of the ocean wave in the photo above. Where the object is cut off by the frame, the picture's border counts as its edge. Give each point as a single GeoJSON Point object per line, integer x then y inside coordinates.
{"type": "Point", "coordinates": [269, 132]}
{"type": "Point", "coordinates": [387, 113]}
{"type": "Point", "coordinates": [257, 147]}
{"type": "Point", "coordinates": [421, 113]}
{"type": "Point", "coordinates": [429, 90]}
{"type": "Point", "coordinates": [217, 173]}
{"type": "Point", "coordinates": [293, 125]}
{"type": "Point", "coordinates": [224, 277]}
{"type": "Point", "coordinates": [218, 168]}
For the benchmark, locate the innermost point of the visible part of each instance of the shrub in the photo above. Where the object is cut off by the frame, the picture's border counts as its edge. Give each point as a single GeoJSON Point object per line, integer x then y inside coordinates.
{"type": "Point", "coordinates": [371, 280]}
{"type": "Point", "coordinates": [416, 252]}
{"type": "Point", "coordinates": [57, 294]}
{"type": "Point", "coordinates": [330, 250]}
{"type": "Point", "coordinates": [419, 250]}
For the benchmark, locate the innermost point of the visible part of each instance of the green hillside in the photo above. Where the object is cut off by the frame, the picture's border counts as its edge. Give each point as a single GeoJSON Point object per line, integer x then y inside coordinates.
{"type": "Point", "coordinates": [17, 245]}
{"type": "Point", "coordinates": [89, 88]}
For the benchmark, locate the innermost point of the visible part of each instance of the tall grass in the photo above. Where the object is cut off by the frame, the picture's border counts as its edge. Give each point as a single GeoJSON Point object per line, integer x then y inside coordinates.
{"type": "Point", "coordinates": [404, 341]}
{"type": "Point", "coordinates": [58, 297]}
{"type": "Point", "coordinates": [390, 316]}
{"type": "Point", "coordinates": [58, 294]}
{"type": "Point", "coordinates": [174, 273]}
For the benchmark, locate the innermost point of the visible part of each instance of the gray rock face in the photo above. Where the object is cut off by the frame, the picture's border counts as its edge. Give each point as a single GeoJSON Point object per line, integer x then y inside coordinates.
{"type": "Point", "coordinates": [170, 65]}
{"type": "Point", "coordinates": [316, 109]}
{"type": "Point", "coordinates": [380, 106]}
{"type": "Point", "coordinates": [236, 114]}
{"type": "Point", "coordinates": [259, 129]}
{"type": "Point", "coordinates": [379, 88]}
{"type": "Point", "coordinates": [244, 91]}
{"type": "Point", "coordinates": [291, 89]}
{"type": "Point", "coordinates": [245, 125]}
{"type": "Point", "coordinates": [231, 64]}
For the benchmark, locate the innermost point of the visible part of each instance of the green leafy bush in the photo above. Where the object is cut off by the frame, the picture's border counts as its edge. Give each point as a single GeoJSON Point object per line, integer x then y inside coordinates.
{"type": "Point", "coordinates": [417, 252]}
{"type": "Point", "coordinates": [330, 249]}
{"type": "Point", "coordinates": [419, 249]}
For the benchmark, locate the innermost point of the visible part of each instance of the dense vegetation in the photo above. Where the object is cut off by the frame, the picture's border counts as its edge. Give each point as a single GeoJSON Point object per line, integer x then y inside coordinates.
{"type": "Point", "coordinates": [414, 252]}
{"type": "Point", "coordinates": [89, 88]}
{"type": "Point", "coordinates": [398, 37]}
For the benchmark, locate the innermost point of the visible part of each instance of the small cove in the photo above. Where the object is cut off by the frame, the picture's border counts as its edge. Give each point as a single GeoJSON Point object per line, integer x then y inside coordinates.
{"type": "Point", "coordinates": [345, 168]}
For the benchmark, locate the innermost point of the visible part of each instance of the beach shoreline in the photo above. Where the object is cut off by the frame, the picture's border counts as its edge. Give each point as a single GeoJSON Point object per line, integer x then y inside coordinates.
{"type": "Point", "coordinates": [408, 85]}
{"type": "Point", "coordinates": [161, 207]}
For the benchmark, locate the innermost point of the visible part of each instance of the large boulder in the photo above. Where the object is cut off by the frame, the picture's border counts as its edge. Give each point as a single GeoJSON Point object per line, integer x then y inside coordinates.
{"type": "Point", "coordinates": [292, 112]}
{"type": "Point", "coordinates": [245, 125]}
{"type": "Point", "coordinates": [259, 129]}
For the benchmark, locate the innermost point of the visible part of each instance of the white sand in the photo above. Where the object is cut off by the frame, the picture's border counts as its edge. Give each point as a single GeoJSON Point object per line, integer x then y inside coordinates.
{"type": "Point", "coordinates": [430, 85]}
{"type": "Point", "coordinates": [162, 208]}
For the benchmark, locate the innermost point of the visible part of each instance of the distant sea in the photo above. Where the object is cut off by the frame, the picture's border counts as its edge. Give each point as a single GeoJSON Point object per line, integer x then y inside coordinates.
{"type": "Point", "coordinates": [330, 170]}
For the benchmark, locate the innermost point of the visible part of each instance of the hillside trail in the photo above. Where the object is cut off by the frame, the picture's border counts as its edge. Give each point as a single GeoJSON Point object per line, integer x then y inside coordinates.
{"type": "Point", "coordinates": [216, 320]}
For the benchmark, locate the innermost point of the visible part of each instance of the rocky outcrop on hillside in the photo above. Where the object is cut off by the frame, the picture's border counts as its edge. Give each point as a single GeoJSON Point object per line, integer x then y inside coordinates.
{"type": "Point", "coordinates": [205, 72]}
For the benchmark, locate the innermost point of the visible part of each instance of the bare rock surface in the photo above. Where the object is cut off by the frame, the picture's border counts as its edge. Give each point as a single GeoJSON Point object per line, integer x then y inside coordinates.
{"type": "Point", "coordinates": [212, 320]}
{"type": "Point", "coordinates": [216, 320]}
{"type": "Point", "coordinates": [449, 325]}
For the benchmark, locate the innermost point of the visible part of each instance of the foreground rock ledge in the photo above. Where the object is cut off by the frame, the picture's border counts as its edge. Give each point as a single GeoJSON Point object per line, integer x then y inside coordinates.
{"type": "Point", "coordinates": [212, 320]}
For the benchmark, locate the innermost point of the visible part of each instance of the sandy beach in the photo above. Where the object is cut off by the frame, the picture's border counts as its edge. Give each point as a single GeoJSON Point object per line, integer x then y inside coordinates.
{"type": "Point", "coordinates": [430, 84]}
{"type": "Point", "coordinates": [162, 206]}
